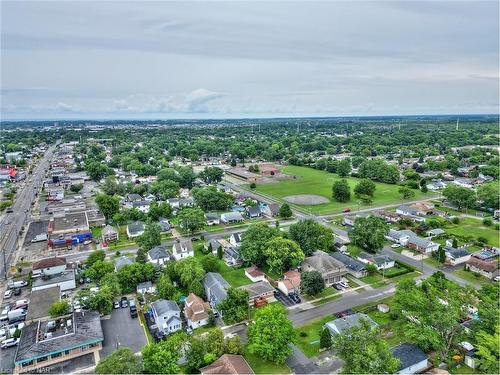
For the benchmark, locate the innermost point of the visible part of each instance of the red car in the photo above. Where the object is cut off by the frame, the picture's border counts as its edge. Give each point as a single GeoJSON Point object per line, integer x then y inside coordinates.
{"type": "Point", "coordinates": [346, 210]}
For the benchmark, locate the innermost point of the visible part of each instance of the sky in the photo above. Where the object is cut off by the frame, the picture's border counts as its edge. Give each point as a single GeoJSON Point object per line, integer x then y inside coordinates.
{"type": "Point", "coordinates": [161, 59]}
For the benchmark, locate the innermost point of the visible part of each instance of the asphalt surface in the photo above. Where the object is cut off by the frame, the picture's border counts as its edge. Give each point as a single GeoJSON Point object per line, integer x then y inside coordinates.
{"type": "Point", "coordinates": [12, 223]}
{"type": "Point", "coordinates": [122, 331]}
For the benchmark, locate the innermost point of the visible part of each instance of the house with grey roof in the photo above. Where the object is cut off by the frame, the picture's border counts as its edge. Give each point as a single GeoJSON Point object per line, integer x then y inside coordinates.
{"type": "Point", "coordinates": [330, 268]}
{"type": "Point", "coordinates": [121, 262]}
{"type": "Point", "coordinates": [259, 290]}
{"type": "Point", "coordinates": [165, 225]}
{"type": "Point", "coordinates": [235, 239]}
{"type": "Point", "coordinates": [435, 232]}
{"type": "Point", "coordinates": [338, 326]}
{"type": "Point", "coordinates": [412, 360]}
{"type": "Point", "coordinates": [231, 217]}
{"type": "Point", "coordinates": [145, 287]}
{"type": "Point", "coordinates": [354, 266]}
{"type": "Point", "coordinates": [182, 249]}
{"type": "Point", "coordinates": [135, 229]}
{"type": "Point", "coordinates": [159, 255]}
{"type": "Point", "coordinates": [456, 256]}
{"type": "Point", "coordinates": [271, 209]}
{"type": "Point", "coordinates": [215, 289]}
{"type": "Point", "coordinates": [109, 234]}
{"type": "Point", "coordinates": [253, 212]}
{"type": "Point", "coordinates": [399, 236]}
{"type": "Point", "coordinates": [212, 218]}
{"type": "Point", "coordinates": [422, 244]}
{"type": "Point", "coordinates": [232, 257]}
{"type": "Point", "coordinates": [167, 316]}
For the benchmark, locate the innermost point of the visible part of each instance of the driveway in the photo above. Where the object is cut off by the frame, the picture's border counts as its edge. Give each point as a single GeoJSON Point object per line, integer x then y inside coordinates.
{"type": "Point", "coordinates": [299, 363]}
{"type": "Point", "coordinates": [284, 299]}
{"type": "Point", "coordinates": [121, 330]}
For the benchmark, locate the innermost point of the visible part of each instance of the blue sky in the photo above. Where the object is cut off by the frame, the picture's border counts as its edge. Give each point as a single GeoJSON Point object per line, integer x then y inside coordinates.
{"type": "Point", "coordinates": [113, 59]}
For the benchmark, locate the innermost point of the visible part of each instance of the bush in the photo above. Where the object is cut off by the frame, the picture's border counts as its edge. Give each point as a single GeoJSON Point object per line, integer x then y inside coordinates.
{"type": "Point", "coordinates": [482, 239]}
{"type": "Point", "coordinates": [455, 220]}
{"type": "Point", "coordinates": [303, 334]}
{"type": "Point", "coordinates": [487, 221]}
{"type": "Point", "coordinates": [253, 185]}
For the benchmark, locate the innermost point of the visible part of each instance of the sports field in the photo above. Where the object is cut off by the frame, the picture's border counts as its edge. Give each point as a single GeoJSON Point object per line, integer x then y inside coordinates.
{"type": "Point", "coordinates": [312, 181]}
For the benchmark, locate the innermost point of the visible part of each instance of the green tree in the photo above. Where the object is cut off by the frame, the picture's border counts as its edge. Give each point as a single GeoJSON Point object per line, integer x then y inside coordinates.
{"type": "Point", "coordinates": [99, 269]}
{"type": "Point", "coordinates": [110, 280]}
{"type": "Point", "coordinates": [102, 301]}
{"type": "Point", "coordinates": [283, 254]}
{"type": "Point", "coordinates": [459, 196]}
{"type": "Point", "coordinates": [165, 189]}
{"type": "Point", "coordinates": [94, 256]}
{"type": "Point", "coordinates": [188, 270]}
{"type": "Point", "coordinates": [325, 338]}
{"type": "Point", "coordinates": [121, 361]}
{"type": "Point", "coordinates": [132, 274]}
{"type": "Point", "coordinates": [285, 211]}
{"type": "Point", "coordinates": [211, 175]}
{"type": "Point", "coordinates": [210, 199]}
{"type": "Point", "coordinates": [235, 306]}
{"type": "Point", "coordinates": [165, 288]}
{"type": "Point", "coordinates": [436, 310]}
{"type": "Point", "coordinates": [108, 205]}
{"type": "Point", "coordinates": [59, 308]}
{"type": "Point", "coordinates": [210, 263]}
{"type": "Point", "coordinates": [76, 188]}
{"type": "Point", "coordinates": [162, 357]}
{"type": "Point", "coordinates": [369, 233]}
{"type": "Point", "coordinates": [151, 237]}
{"type": "Point", "coordinates": [365, 187]}
{"type": "Point", "coordinates": [341, 191]}
{"type": "Point", "coordinates": [192, 219]}
{"type": "Point", "coordinates": [363, 351]}
{"type": "Point", "coordinates": [254, 243]}
{"type": "Point", "coordinates": [311, 283]}
{"type": "Point", "coordinates": [311, 236]}
{"type": "Point", "coordinates": [488, 194]}
{"type": "Point", "coordinates": [406, 193]}
{"type": "Point", "coordinates": [487, 351]}
{"type": "Point", "coordinates": [270, 334]}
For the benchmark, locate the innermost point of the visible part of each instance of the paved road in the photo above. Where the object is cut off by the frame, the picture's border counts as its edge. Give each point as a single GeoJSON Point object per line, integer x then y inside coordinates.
{"type": "Point", "coordinates": [12, 223]}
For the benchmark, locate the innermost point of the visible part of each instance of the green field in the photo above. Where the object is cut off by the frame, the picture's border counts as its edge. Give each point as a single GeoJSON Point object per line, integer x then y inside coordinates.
{"type": "Point", "coordinates": [474, 228]}
{"type": "Point", "coordinates": [312, 181]}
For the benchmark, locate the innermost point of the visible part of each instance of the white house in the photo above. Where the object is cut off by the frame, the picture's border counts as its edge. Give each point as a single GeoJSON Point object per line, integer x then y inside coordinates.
{"type": "Point", "coordinates": [182, 249]}
{"type": "Point", "coordinates": [290, 283]}
{"type": "Point", "coordinates": [255, 274]}
{"type": "Point", "coordinates": [196, 311]}
{"type": "Point", "coordinates": [135, 229]}
{"type": "Point", "coordinates": [142, 206]}
{"type": "Point", "coordinates": [49, 266]}
{"type": "Point", "coordinates": [456, 256]}
{"type": "Point", "coordinates": [146, 287]}
{"type": "Point", "coordinates": [159, 255]}
{"type": "Point", "coordinates": [235, 239]}
{"type": "Point", "coordinates": [231, 217]}
{"type": "Point", "coordinates": [412, 359]}
{"type": "Point", "coordinates": [166, 315]}
{"type": "Point", "coordinates": [422, 244]}
{"type": "Point", "coordinates": [399, 236]}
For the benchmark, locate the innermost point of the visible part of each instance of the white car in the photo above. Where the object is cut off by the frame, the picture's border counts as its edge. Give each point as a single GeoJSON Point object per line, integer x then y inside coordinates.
{"type": "Point", "coordinates": [7, 294]}
{"type": "Point", "coordinates": [497, 278]}
{"type": "Point", "coordinates": [9, 342]}
{"type": "Point", "coordinates": [395, 246]}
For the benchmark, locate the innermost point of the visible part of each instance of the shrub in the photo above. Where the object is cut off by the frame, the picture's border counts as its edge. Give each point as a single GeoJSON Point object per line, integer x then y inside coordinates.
{"type": "Point", "coordinates": [482, 239]}
{"type": "Point", "coordinates": [455, 220]}
{"type": "Point", "coordinates": [303, 334]}
{"type": "Point", "coordinates": [487, 221]}
{"type": "Point", "coordinates": [253, 185]}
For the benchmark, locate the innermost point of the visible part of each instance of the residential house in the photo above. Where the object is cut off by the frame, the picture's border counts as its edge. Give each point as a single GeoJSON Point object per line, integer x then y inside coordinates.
{"type": "Point", "coordinates": [255, 274]}
{"type": "Point", "coordinates": [175, 203]}
{"type": "Point", "coordinates": [232, 257]}
{"type": "Point", "coordinates": [330, 268]}
{"type": "Point", "coordinates": [354, 267]}
{"type": "Point", "coordinates": [133, 197]}
{"type": "Point", "coordinates": [456, 256]}
{"type": "Point", "coordinates": [49, 266]}
{"type": "Point", "coordinates": [109, 234]}
{"type": "Point", "coordinates": [436, 185]}
{"type": "Point", "coordinates": [271, 210]}
{"type": "Point", "coordinates": [196, 311]}
{"type": "Point", "coordinates": [290, 283]}
{"type": "Point", "coordinates": [338, 326]}
{"type": "Point", "coordinates": [425, 208]}
{"type": "Point", "coordinates": [167, 316]}
{"type": "Point", "coordinates": [146, 287]}
{"type": "Point", "coordinates": [388, 216]}
{"type": "Point", "coordinates": [212, 218]}
{"type": "Point", "coordinates": [231, 217]}
{"type": "Point", "coordinates": [165, 225]}
{"type": "Point", "coordinates": [228, 364]}
{"type": "Point", "coordinates": [235, 239]}
{"type": "Point", "coordinates": [259, 291]}
{"type": "Point", "coordinates": [422, 244]}
{"type": "Point", "coordinates": [142, 206]}
{"type": "Point", "coordinates": [135, 229]}
{"type": "Point", "coordinates": [382, 262]}
{"type": "Point", "coordinates": [409, 211]}
{"type": "Point", "coordinates": [412, 360]}
{"type": "Point", "coordinates": [253, 212]}
{"type": "Point", "coordinates": [350, 219]}
{"type": "Point", "coordinates": [435, 232]}
{"type": "Point", "coordinates": [213, 245]}
{"type": "Point", "coordinates": [215, 288]}
{"type": "Point", "coordinates": [182, 249]}
{"type": "Point", "coordinates": [486, 268]}
{"type": "Point", "coordinates": [159, 255]}
{"type": "Point", "coordinates": [400, 236]}
{"type": "Point", "coordinates": [121, 262]}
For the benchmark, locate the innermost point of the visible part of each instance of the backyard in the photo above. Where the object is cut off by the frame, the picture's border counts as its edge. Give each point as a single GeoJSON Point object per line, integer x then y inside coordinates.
{"type": "Point", "coordinates": [320, 183]}
{"type": "Point", "coordinates": [474, 228]}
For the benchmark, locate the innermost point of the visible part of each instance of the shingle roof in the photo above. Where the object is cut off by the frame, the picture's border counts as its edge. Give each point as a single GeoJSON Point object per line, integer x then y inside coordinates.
{"type": "Point", "coordinates": [456, 253]}
{"type": "Point", "coordinates": [159, 252]}
{"type": "Point", "coordinates": [350, 263]}
{"type": "Point", "coordinates": [228, 364]}
{"type": "Point", "coordinates": [87, 330]}
{"type": "Point", "coordinates": [108, 229]}
{"type": "Point", "coordinates": [232, 216]}
{"type": "Point", "coordinates": [49, 262]}
{"type": "Point", "coordinates": [184, 246]}
{"type": "Point", "coordinates": [122, 261]}
{"type": "Point", "coordinates": [135, 227]}
{"type": "Point", "coordinates": [163, 306]}
{"type": "Point", "coordinates": [323, 262]}
{"type": "Point", "coordinates": [258, 288]}
{"type": "Point", "coordinates": [488, 266]}
{"type": "Point", "coordinates": [420, 242]}
{"type": "Point", "coordinates": [354, 320]}
{"type": "Point", "coordinates": [144, 285]}
{"type": "Point", "coordinates": [217, 284]}
{"type": "Point", "coordinates": [408, 354]}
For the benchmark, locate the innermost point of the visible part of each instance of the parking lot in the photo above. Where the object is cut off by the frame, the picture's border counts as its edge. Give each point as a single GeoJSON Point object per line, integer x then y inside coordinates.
{"type": "Point", "coordinates": [122, 331]}
{"type": "Point", "coordinates": [7, 357]}
{"type": "Point", "coordinates": [36, 248]}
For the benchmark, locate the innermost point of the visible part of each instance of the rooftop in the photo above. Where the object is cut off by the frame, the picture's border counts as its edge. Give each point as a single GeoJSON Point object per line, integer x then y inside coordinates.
{"type": "Point", "coordinates": [228, 364]}
{"type": "Point", "coordinates": [67, 275]}
{"type": "Point", "coordinates": [40, 302]}
{"type": "Point", "coordinates": [408, 354]}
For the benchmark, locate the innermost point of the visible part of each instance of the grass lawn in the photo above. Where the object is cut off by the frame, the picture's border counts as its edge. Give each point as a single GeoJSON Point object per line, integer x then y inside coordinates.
{"type": "Point", "coordinates": [320, 183]}
{"type": "Point", "coordinates": [462, 369]}
{"type": "Point", "coordinates": [259, 366]}
{"type": "Point", "coordinates": [472, 277]}
{"type": "Point", "coordinates": [235, 277]}
{"type": "Point", "coordinates": [309, 344]}
{"type": "Point", "coordinates": [469, 227]}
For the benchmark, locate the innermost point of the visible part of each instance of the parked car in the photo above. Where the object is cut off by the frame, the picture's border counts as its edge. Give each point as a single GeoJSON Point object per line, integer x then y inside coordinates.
{"type": "Point", "coordinates": [17, 292]}
{"type": "Point", "coordinates": [337, 286]}
{"type": "Point", "coordinates": [395, 245]}
{"type": "Point", "coordinates": [124, 302]}
{"type": "Point", "coordinates": [343, 284]}
{"type": "Point", "coordinates": [7, 294]}
{"type": "Point", "coordinates": [116, 305]}
{"type": "Point", "coordinates": [9, 343]}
